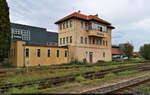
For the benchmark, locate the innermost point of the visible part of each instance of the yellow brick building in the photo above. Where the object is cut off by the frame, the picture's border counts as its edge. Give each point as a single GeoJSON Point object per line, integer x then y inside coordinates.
{"type": "Point", "coordinates": [87, 37]}
{"type": "Point", "coordinates": [80, 37]}
{"type": "Point", "coordinates": [22, 55]}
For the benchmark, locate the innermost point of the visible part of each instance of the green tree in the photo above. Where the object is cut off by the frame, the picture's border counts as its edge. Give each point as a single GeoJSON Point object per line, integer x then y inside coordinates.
{"type": "Point", "coordinates": [5, 31]}
{"type": "Point", "coordinates": [145, 51]}
{"type": "Point", "coordinates": [128, 50]}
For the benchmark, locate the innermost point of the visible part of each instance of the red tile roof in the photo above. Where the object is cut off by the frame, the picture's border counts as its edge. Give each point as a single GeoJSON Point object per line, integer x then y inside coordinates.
{"type": "Point", "coordinates": [82, 16]}
{"type": "Point", "coordinates": [115, 51]}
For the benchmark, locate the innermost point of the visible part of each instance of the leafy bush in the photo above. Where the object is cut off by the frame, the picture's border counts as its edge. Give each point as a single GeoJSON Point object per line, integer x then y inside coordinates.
{"type": "Point", "coordinates": [145, 51]}
{"type": "Point", "coordinates": [109, 76]}
{"type": "Point", "coordinates": [128, 50]}
{"type": "Point", "coordinates": [80, 79]}
{"type": "Point", "coordinates": [128, 72]}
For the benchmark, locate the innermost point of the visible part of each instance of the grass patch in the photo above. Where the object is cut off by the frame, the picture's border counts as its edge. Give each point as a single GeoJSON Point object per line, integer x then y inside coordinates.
{"type": "Point", "coordinates": [144, 88]}
{"type": "Point", "coordinates": [24, 90]}
{"type": "Point", "coordinates": [133, 60]}
{"type": "Point", "coordinates": [80, 78]}
{"type": "Point", "coordinates": [128, 72]}
{"type": "Point", "coordinates": [110, 76]}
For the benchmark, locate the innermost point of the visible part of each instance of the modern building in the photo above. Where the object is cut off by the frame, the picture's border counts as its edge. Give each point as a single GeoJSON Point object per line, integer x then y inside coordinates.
{"type": "Point", "coordinates": [80, 37]}
{"type": "Point", "coordinates": [88, 37]}
{"type": "Point", "coordinates": [33, 35]}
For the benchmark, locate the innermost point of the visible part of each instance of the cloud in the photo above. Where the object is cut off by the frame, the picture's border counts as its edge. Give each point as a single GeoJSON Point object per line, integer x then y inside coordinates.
{"type": "Point", "coordinates": [142, 24]}
{"type": "Point", "coordinates": [130, 17]}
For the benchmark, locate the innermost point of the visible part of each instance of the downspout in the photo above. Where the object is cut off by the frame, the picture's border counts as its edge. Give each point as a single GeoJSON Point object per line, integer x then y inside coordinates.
{"type": "Point", "coordinates": [24, 55]}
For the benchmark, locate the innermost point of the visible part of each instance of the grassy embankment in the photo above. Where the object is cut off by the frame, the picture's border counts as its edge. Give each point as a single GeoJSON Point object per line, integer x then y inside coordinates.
{"type": "Point", "coordinates": [78, 81]}
{"type": "Point", "coordinates": [38, 75]}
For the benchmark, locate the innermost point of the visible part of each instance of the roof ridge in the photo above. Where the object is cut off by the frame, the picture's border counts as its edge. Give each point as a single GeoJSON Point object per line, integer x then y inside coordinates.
{"type": "Point", "coordinates": [82, 16]}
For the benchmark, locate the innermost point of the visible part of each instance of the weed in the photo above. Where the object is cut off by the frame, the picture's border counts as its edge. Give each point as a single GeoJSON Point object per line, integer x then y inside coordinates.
{"type": "Point", "coordinates": [128, 72]}
{"type": "Point", "coordinates": [14, 91]}
{"type": "Point", "coordinates": [80, 79]}
{"type": "Point", "coordinates": [110, 76]}
{"type": "Point", "coordinates": [24, 90]}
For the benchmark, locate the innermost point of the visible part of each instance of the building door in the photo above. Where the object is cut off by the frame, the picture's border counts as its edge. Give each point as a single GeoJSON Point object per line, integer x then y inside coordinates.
{"type": "Point", "coordinates": [91, 57]}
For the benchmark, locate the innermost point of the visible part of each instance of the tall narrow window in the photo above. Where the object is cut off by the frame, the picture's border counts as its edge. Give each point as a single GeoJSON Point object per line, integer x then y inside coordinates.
{"type": "Point", "coordinates": [89, 40]}
{"type": "Point", "coordinates": [67, 24]}
{"type": "Point", "coordinates": [100, 42]}
{"type": "Point", "coordinates": [60, 40]}
{"type": "Point", "coordinates": [70, 39]}
{"type": "Point", "coordinates": [103, 43]}
{"type": "Point", "coordinates": [63, 25]}
{"type": "Point", "coordinates": [81, 40]}
{"type": "Point", "coordinates": [71, 23]}
{"type": "Point", "coordinates": [86, 26]}
{"type": "Point", "coordinates": [48, 53]}
{"type": "Point", "coordinates": [101, 29]}
{"type": "Point", "coordinates": [93, 41]}
{"type": "Point", "coordinates": [63, 40]}
{"type": "Point", "coordinates": [27, 52]}
{"type": "Point", "coordinates": [66, 53]}
{"type": "Point", "coordinates": [60, 26]}
{"type": "Point", "coordinates": [38, 53]}
{"type": "Point", "coordinates": [97, 41]}
{"type": "Point", "coordinates": [85, 40]}
{"type": "Point", "coordinates": [57, 53]}
{"type": "Point", "coordinates": [106, 43]}
{"type": "Point", "coordinates": [81, 24]}
{"type": "Point", "coordinates": [66, 39]}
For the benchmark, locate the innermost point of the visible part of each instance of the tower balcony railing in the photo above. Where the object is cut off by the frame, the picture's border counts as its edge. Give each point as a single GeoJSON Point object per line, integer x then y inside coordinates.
{"type": "Point", "coordinates": [97, 33]}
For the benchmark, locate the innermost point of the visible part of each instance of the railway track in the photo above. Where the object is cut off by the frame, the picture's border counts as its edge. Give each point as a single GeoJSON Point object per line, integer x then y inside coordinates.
{"type": "Point", "coordinates": [131, 89]}
{"type": "Point", "coordinates": [47, 83]}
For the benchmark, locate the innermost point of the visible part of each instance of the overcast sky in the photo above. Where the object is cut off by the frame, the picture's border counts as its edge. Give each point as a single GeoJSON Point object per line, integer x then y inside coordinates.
{"type": "Point", "coordinates": [130, 17]}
